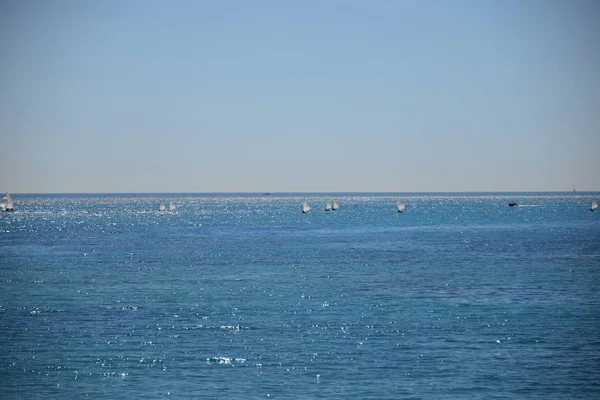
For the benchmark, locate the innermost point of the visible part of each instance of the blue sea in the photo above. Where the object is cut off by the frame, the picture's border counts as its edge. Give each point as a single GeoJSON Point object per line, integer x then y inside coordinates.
{"type": "Point", "coordinates": [241, 296]}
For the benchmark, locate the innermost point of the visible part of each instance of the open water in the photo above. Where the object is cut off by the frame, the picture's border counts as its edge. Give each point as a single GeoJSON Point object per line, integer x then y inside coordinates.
{"type": "Point", "coordinates": [244, 297]}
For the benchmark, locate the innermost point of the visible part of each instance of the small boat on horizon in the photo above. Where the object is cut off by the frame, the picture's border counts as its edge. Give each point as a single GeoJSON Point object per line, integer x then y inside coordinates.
{"type": "Point", "coordinates": [328, 206]}
{"type": "Point", "coordinates": [512, 204]}
{"type": "Point", "coordinates": [305, 207]}
{"type": "Point", "coordinates": [171, 206]}
{"type": "Point", "coordinates": [593, 205]}
{"type": "Point", "coordinates": [400, 206]}
{"type": "Point", "coordinates": [335, 205]}
{"type": "Point", "coordinates": [161, 206]}
{"type": "Point", "coordinates": [6, 204]}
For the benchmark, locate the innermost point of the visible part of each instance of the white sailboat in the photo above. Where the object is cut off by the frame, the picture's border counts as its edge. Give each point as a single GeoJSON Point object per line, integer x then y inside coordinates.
{"type": "Point", "coordinates": [171, 206]}
{"type": "Point", "coordinates": [161, 206]}
{"type": "Point", "coordinates": [400, 206]}
{"type": "Point", "coordinates": [305, 207]}
{"type": "Point", "coordinates": [593, 205]}
{"type": "Point", "coordinates": [335, 206]}
{"type": "Point", "coordinates": [6, 204]}
{"type": "Point", "coordinates": [328, 206]}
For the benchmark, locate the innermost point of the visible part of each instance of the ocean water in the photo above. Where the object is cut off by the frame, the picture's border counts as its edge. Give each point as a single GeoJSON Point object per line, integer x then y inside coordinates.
{"type": "Point", "coordinates": [244, 297]}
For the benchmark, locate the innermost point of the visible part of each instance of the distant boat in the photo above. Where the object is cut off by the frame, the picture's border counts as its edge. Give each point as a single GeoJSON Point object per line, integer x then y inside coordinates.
{"type": "Point", "coordinates": [593, 206]}
{"type": "Point", "coordinates": [161, 206]}
{"type": "Point", "coordinates": [305, 207]}
{"type": "Point", "coordinates": [171, 206]}
{"type": "Point", "coordinates": [328, 206]}
{"type": "Point", "coordinates": [512, 204]}
{"type": "Point", "coordinates": [400, 206]}
{"type": "Point", "coordinates": [6, 204]}
{"type": "Point", "coordinates": [335, 206]}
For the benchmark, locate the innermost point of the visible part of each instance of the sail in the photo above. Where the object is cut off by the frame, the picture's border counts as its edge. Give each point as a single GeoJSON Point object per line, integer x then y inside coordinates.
{"type": "Point", "coordinates": [171, 206]}
{"type": "Point", "coordinates": [594, 205]}
{"type": "Point", "coordinates": [335, 206]}
{"type": "Point", "coordinates": [9, 203]}
{"type": "Point", "coordinates": [161, 206]}
{"type": "Point", "coordinates": [328, 206]}
{"type": "Point", "coordinates": [305, 207]}
{"type": "Point", "coordinates": [6, 204]}
{"type": "Point", "coordinates": [401, 206]}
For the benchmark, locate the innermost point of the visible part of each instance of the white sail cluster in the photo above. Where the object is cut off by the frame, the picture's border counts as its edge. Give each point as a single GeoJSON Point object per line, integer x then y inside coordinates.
{"type": "Point", "coordinates": [334, 205]}
{"type": "Point", "coordinates": [162, 208]}
{"type": "Point", "coordinates": [329, 206]}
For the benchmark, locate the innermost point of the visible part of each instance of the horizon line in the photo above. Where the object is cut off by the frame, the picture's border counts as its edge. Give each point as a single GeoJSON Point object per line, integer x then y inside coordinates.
{"type": "Point", "coordinates": [266, 193]}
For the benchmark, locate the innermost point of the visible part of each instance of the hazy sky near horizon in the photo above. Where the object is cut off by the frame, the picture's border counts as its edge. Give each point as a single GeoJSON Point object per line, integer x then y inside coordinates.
{"type": "Point", "coordinates": [337, 95]}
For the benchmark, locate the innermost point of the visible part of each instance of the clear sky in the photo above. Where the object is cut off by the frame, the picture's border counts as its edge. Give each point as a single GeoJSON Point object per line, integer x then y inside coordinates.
{"type": "Point", "coordinates": [269, 96]}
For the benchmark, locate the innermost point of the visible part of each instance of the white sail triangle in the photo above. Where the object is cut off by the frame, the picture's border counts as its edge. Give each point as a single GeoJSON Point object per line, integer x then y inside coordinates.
{"type": "Point", "coordinates": [6, 204]}
{"type": "Point", "coordinates": [400, 206]}
{"type": "Point", "coordinates": [305, 207]}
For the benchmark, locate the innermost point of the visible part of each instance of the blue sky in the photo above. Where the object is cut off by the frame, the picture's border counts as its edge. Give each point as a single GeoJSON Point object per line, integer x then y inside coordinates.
{"type": "Point", "coordinates": [238, 96]}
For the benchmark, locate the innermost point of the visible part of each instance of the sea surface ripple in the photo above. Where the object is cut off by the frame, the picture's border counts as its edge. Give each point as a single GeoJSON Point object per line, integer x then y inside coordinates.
{"type": "Point", "coordinates": [243, 296]}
